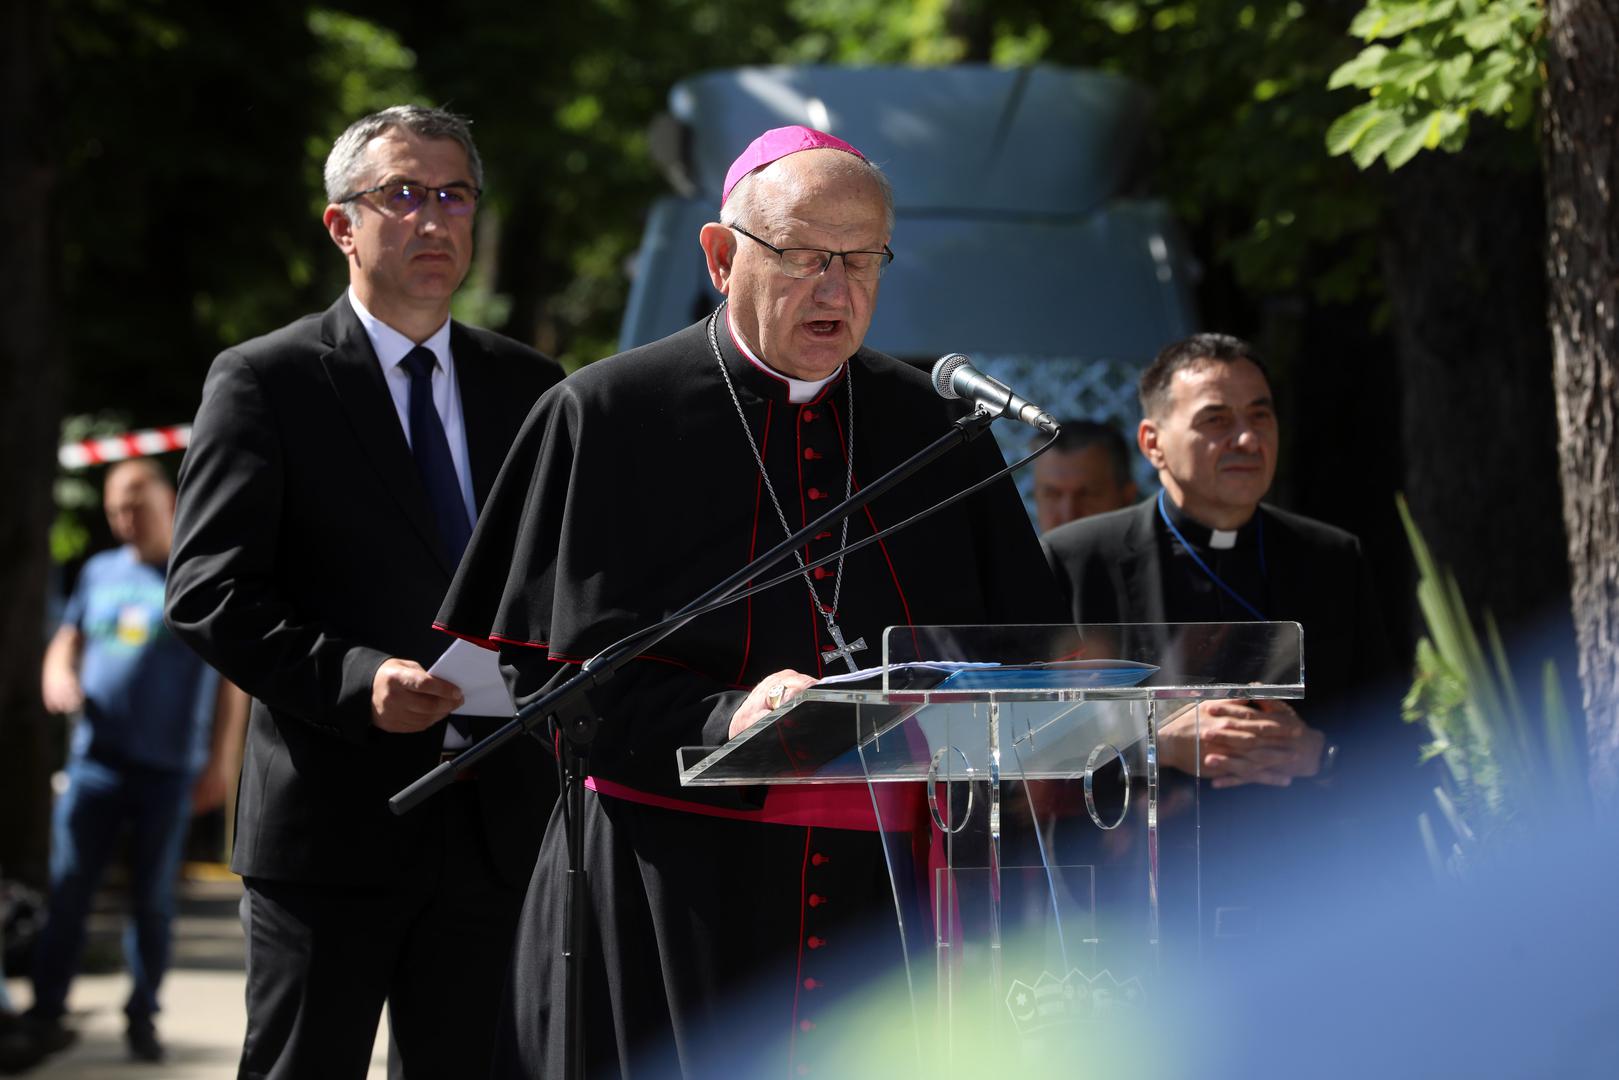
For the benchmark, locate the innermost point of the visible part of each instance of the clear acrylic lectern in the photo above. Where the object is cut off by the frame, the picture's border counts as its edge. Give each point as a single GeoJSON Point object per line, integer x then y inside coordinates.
{"type": "Point", "coordinates": [1061, 873]}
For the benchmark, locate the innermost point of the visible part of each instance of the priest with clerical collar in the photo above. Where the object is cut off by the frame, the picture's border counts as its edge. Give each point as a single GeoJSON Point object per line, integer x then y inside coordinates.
{"type": "Point", "coordinates": [721, 929]}
{"type": "Point", "coordinates": [1206, 549]}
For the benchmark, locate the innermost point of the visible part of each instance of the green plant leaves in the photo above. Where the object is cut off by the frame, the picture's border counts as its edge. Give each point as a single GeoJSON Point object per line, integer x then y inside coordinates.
{"type": "Point", "coordinates": [1487, 30]}
{"type": "Point", "coordinates": [1450, 59]}
{"type": "Point", "coordinates": [1506, 765]}
{"type": "Point", "coordinates": [1404, 146]}
{"type": "Point", "coordinates": [1347, 131]}
{"type": "Point", "coordinates": [1385, 129]}
{"type": "Point", "coordinates": [1362, 71]}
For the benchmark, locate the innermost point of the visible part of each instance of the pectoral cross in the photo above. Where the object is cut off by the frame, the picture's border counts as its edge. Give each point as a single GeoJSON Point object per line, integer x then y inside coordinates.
{"type": "Point", "coordinates": [843, 651]}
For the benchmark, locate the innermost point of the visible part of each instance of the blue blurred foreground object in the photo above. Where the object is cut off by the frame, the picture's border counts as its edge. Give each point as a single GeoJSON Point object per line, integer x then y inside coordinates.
{"type": "Point", "coordinates": [1511, 973]}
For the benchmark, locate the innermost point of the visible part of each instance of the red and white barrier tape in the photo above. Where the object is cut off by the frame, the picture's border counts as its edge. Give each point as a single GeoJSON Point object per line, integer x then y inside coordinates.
{"type": "Point", "coordinates": [118, 447]}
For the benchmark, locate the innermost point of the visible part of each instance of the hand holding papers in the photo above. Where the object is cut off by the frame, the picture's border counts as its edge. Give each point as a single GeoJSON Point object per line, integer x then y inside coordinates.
{"type": "Point", "coordinates": [477, 672]}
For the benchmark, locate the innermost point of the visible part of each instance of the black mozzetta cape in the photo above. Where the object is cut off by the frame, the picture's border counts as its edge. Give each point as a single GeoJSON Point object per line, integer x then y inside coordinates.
{"type": "Point", "coordinates": [632, 489]}
{"type": "Point", "coordinates": [717, 940]}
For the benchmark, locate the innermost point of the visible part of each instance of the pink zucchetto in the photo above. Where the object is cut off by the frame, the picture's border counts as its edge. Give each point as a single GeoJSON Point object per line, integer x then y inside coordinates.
{"type": "Point", "coordinates": [778, 143]}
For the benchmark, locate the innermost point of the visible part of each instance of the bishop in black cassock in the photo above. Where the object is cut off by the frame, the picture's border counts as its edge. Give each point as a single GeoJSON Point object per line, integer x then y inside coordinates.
{"type": "Point", "coordinates": [717, 931]}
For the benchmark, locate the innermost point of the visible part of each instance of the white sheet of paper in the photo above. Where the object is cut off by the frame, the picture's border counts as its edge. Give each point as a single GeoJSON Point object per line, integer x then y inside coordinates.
{"type": "Point", "coordinates": [477, 672]}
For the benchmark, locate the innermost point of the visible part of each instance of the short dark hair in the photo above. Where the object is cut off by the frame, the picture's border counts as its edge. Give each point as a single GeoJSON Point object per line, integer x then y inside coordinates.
{"type": "Point", "coordinates": [1078, 435]}
{"type": "Point", "coordinates": [1197, 349]}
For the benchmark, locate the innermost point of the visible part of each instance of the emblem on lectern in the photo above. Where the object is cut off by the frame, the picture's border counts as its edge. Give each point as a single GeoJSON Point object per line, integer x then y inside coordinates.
{"type": "Point", "coordinates": [1075, 999]}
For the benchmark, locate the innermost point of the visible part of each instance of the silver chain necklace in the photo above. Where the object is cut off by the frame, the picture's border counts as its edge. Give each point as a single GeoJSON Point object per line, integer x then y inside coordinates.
{"type": "Point", "coordinates": [843, 650]}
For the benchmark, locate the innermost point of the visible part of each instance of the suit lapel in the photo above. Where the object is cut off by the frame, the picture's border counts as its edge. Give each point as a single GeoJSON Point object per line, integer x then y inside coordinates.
{"type": "Point", "coordinates": [1290, 595]}
{"type": "Point", "coordinates": [1285, 576]}
{"type": "Point", "coordinates": [357, 379]}
{"type": "Point", "coordinates": [1139, 566]}
{"type": "Point", "coordinates": [480, 404]}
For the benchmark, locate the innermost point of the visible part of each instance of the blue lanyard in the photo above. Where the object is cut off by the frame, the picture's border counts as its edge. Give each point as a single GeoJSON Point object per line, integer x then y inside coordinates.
{"type": "Point", "coordinates": [1203, 566]}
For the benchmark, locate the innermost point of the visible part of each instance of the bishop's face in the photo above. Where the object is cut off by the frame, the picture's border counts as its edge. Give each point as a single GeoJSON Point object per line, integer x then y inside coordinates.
{"type": "Point", "coordinates": [802, 327]}
{"type": "Point", "coordinates": [1215, 446]}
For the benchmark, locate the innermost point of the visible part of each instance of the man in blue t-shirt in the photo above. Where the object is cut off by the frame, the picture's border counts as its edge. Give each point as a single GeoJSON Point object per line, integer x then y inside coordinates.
{"type": "Point", "coordinates": [141, 754]}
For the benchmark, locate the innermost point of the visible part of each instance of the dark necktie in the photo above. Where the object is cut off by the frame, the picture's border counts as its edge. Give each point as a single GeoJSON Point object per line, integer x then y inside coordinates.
{"type": "Point", "coordinates": [432, 451]}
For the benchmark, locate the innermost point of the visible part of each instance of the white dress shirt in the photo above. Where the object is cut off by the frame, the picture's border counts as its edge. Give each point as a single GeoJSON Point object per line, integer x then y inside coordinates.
{"type": "Point", "coordinates": [391, 348]}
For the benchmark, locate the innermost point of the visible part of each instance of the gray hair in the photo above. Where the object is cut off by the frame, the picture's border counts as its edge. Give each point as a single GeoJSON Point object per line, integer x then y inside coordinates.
{"type": "Point", "coordinates": [347, 161]}
{"type": "Point", "coordinates": [746, 205]}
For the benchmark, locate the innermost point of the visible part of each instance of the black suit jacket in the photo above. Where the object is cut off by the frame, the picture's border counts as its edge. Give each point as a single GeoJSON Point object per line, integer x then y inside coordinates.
{"type": "Point", "coordinates": [305, 555]}
{"type": "Point", "coordinates": [1110, 569]}
{"type": "Point", "coordinates": [1256, 844]}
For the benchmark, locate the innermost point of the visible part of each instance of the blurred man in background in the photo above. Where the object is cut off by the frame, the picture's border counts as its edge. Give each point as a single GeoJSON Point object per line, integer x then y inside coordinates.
{"type": "Point", "coordinates": [141, 755]}
{"type": "Point", "coordinates": [1087, 471]}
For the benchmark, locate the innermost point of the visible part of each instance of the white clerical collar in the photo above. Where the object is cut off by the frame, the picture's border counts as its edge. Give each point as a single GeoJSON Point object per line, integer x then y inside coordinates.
{"type": "Point", "coordinates": [391, 346]}
{"type": "Point", "coordinates": [1195, 530]}
{"type": "Point", "coordinates": [798, 391]}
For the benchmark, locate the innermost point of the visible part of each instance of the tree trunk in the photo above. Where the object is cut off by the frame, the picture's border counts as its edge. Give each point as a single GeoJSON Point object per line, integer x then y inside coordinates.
{"type": "Point", "coordinates": [1581, 150]}
{"type": "Point", "coordinates": [30, 392]}
{"type": "Point", "coordinates": [1478, 419]}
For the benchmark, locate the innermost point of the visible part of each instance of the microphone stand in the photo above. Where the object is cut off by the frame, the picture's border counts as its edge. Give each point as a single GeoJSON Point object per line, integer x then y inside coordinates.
{"type": "Point", "coordinates": [572, 714]}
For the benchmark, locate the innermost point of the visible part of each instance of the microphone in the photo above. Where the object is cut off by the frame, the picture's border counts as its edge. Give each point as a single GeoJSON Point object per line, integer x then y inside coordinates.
{"type": "Point", "coordinates": [955, 377]}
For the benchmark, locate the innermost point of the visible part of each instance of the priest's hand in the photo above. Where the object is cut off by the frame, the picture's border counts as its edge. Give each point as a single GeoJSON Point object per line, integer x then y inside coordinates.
{"type": "Point", "coordinates": [405, 698]}
{"type": "Point", "coordinates": [771, 692]}
{"type": "Point", "coordinates": [1242, 742]}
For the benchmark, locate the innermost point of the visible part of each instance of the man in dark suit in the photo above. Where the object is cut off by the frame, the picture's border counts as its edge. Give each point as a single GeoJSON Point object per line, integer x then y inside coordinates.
{"type": "Point", "coordinates": [335, 470]}
{"type": "Point", "coordinates": [1205, 549]}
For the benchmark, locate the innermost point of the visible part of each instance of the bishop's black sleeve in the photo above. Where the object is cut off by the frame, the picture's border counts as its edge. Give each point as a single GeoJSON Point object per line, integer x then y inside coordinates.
{"type": "Point", "coordinates": [531, 585]}
{"type": "Point", "coordinates": [648, 710]}
{"type": "Point", "coordinates": [1086, 585]}
{"type": "Point", "coordinates": [222, 597]}
{"type": "Point", "coordinates": [1018, 580]}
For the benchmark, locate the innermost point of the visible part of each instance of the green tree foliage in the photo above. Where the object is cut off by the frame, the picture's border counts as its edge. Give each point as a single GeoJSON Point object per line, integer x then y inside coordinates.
{"type": "Point", "coordinates": [860, 32]}
{"type": "Point", "coordinates": [1445, 62]}
{"type": "Point", "coordinates": [192, 153]}
{"type": "Point", "coordinates": [191, 150]}
{"type": "Point", "coordinates": [179, 229]}
{"type": "Point", "coordinates": [194, 139]}
{"type": "Point", "coordinates": [1239, 107]}
{"type": "Point", "coordinates": [561, 97]}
